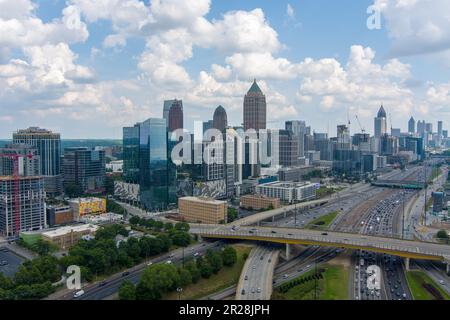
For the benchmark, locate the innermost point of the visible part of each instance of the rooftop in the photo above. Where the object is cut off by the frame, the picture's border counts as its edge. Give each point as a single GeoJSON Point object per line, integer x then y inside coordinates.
{"type": "Point", "coordinates": [255, 88]}
{"type": "Point", "coordinates": [203, 199]}
{"type": "Point", "coordinates": [68, 229]}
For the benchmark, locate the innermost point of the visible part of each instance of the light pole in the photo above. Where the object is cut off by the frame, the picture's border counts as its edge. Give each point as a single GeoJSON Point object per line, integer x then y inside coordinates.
{"type": "Point", "coordinates": [179, 290]}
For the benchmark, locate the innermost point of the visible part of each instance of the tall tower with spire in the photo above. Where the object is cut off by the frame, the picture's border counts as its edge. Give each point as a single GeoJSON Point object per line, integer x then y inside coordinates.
{"type": "Point", "coordinates": [412, 125]}
{"type": "Point", "coordinates": [255, 108]}
{"type": "Point", "coordinates": [380, 127]}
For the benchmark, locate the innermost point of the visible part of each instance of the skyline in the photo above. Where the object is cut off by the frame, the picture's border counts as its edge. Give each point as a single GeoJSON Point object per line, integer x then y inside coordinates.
{"type": "Point", "coordinates": [86, 71]}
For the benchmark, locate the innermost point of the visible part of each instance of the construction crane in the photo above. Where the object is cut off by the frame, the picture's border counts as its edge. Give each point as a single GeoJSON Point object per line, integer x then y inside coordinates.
{"type": "Point", "coordinates": [359, 122]}
{"type": "Point", "coordinates": [16, 186]}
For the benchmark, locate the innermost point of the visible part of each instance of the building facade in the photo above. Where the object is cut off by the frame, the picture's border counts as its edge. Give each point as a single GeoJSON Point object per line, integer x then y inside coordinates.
{"type": "Point", "coordinates": [203, 210]}
{"type": "Point", "coordinates": [220, 120]}
{"type": "Point", "coordinates": [289, 192]}
{"type": "Point", "coordinates": [259, 202]}
{"type": "Point", "coordinates": [255, 109]}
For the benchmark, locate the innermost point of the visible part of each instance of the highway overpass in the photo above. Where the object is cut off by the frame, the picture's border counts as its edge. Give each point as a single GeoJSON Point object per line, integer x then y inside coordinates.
{"type": "Point", "coordinates": [399, 184]}
{"type": "Point", "coordinates": [397, 247]}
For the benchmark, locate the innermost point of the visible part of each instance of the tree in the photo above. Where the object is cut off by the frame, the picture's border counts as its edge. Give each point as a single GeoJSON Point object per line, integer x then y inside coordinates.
{"type": "Point", "coordinates": [166, 242]}
{"type": "Point", "coordinates": [204, 267]}
{"type": "Point", "coordinates": [194, 271]}
{"type": "Point", "coordinates": [135, 220]}
{"type": "Point", "coordinates": [232, 214]}
{"type": "Point", "coordinates": [156, 280]}
{"type": "Point", "coordinates": [5, 282]}
{"type": "Point", "coordinates": [182, 226]}
{"type": "Point", "coordinates": [181, 238]}
{"type": "Point", "coordinates": [127, 291]}
{"type": "Point", "coordinates": [229, 256]}
{"type": "Point", "coordinates": [215, 260]}
{"type": "Point", "coordinates": [73, 190]}
{"type": "Point", "coordinates": [442, 234]}
{"type": "Point", "coordinates": [185, 277]}
{"type": "Point", "coordinates": [168, 226]}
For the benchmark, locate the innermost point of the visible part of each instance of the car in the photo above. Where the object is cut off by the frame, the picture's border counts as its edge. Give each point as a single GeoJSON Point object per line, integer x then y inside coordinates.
{"type": "Point", "coordinates": [78, 294]}
{"type": "Point", "coordinates": [262, 258]}
{"type": "Point", "coordinates": [171, 255]}
{"type": "Point", "coordinates": [126, 273]}
{"type": "Point", "coordinates": [253, 290]}
{"type": "Point", "coordinates": [300, 270]}
{"type": "Point", "coordinates": [246, 278]}
{"type": "Point", "coordinates": [169, 262]}
{"type": "Point", "coordinates": [308, 266]}
{"type": "Point", "coordinates": [258, 290]}
{"type": "Point", "coordinates": [274, 231]}
{"type": "Point", "coordinates": [441, 282]}
{"type": "Point", "coordinates": [270, 260]}
{"type": "Point", "coordinates": [196, 254]}
{"type": "Point", "coordinates": [254, 267]}
{"type": "Point", "coordinates": [243, 292]}
{"type": "Point", "coordinates": [285, 276]}
{"type": "Point", "coordinates": [149, 264]}
{"type": "Point", "coordinates": [102, 284]}
{"type": "Point", "coordinates": [324, 233]}
{"type": "Point", "coordinates": [250, 231]}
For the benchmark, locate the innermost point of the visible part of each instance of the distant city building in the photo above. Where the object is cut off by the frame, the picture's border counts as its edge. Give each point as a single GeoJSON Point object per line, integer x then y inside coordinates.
{"type": "Point", "coordinates": [203, 210]}
{"type": "Point", "coordinates": [28, 212]}
{"type": "Point", "coordinates": [298, 128]}
{"type": "Point", "coordinates": [175, 120]}
{"type": "Point", "coordinates": [259, 202]}
{"type": "Point", "coordinates": [85, 206]}
{"type": "Point", "coordinates": [115, 166]}
{"type": "Point", "coordinates": [288, 148]}
{"type": "Point", "coordinates": [59, 214]}
{"type": "Point", "coordinates": [389, 145]}
{"type": "Point", "coordinates": [438, 201]}
{"type": "Point", "coordinates": [412, 126]}
{"type": "Point", "coordinates": [396, 132]}
{"type": "Point", "coordinates": [84, 168]}
{"type": "Point", "coordinates": [343, 138]}
{"type": "Point", "coordinates": [208, 125]}
{"type": "Point", "coordinates": [294, 174]}
{"type": "Point", "coordinates": [220, 120]}
{"type": "Point", "coordinates": [380, 123]}
{"type": "Point", "coordinates": [255, 109]}
{"type": "Point", "coordinates": [48, 145]}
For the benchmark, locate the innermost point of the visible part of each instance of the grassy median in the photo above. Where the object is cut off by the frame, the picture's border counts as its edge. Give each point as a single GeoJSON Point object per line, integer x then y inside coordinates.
{"type": "Point", "coordinates": [225, 278]}
{"type": "Point", "coordinates": [332, 286]}
{"type": "Point", "coordinates": [424, 288]}
{"type": "Point", "coordinates": [323, 222]}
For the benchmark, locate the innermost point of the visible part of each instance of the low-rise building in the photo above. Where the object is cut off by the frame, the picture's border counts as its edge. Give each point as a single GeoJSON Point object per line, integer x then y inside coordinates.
{"type": "Point", "coordinates": [288, 191]}
{"type": "Point", "coordinates": [258, 202]}
{"type": "Point", "coordinates": [203, 210]}
{"type": "Point", "coordinates": [84, 206]}
{"type": "Point", "coordinates": [67, 237]}
{"type": "Point", "coordinates": [59, 214]}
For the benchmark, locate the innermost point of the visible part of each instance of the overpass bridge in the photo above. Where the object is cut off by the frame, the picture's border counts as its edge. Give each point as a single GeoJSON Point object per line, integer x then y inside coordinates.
{"type": "Point", "coordinates": [397, 247]}
{"type": "Point", "coordinates": [399, 184]}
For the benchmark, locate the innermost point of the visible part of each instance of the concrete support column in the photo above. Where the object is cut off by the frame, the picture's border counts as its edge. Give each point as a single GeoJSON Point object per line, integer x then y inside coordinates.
{"type": "Point", "coordinates": [288, 251]}
{"type": "Point", "coordinates": [273, 219]}
{"type": "Point", "coordinates": [448, 268]}
{"type": "Point", "coordinates": [407, 264]}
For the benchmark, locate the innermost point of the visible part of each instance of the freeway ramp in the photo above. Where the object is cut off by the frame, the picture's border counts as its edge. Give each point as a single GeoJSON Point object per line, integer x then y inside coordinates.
{"type": "Point", "coordinates": [256, 278]}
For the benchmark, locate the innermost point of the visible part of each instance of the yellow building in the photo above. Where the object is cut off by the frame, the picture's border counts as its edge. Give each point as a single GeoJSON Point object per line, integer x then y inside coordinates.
{"type": "Point", "coordinates": [259, 202]}
{"type": "Point", "coordinates": [203, 210]}
{"type": "Point", "coordinates": [84, 206]}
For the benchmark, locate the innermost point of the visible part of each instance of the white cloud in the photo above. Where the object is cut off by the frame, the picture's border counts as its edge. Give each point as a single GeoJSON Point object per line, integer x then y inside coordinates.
{"type": "Point", "coordinates": [290, 11]}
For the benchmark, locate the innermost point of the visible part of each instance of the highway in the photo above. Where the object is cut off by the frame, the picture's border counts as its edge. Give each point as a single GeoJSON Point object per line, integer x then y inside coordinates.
{"type": "Point", "coordinates": [397, 247]}
{"type": "Point", "coordinates": [96, 291]}
{"type": "Point", "coordinates": [256, 278]}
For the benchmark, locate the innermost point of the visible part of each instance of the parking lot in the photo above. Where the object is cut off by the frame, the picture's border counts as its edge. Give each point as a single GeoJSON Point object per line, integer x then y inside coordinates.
{"type": "Point", "coordinates": [9, 262]}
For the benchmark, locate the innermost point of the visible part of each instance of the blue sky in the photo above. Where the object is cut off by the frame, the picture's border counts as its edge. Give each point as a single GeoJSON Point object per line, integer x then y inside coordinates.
{"type": "Point", "coordinates": [87, 70]}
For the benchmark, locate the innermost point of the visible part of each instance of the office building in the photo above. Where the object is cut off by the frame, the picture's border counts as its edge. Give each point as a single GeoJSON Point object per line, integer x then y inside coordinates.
{"type": "Point", "coordinates": [59, 214]}
{"type": "Point", "coordinates": [22, 206]}
{"type": "Point", "coordinates": [255, 109]}
{"type": "Point", "coordinates": [343, 138]}
{"type": "Point", "coordinates": [294, 174]}
{"type": "Point", "coordinates": [203, 210]}
{"type": "Point", "coordinates": [86, 206]}
{"type": "Point", "coordinates": [380, 123]}
{"type": "Point", "coordinates": [48, 145]}
{"type": "Point", "coordinates": [438, 201]}
{"type": "Point", "coordinates": [85, 169]}
{"type": "Point", "coordinates": [298, 128]}
{"type": "Point", "coordinates": [220, 121]}
{"type": "Point", "coordinates": [289, 192]}
{"type": "Point", "coordinates": [131, 146]}
{"type": "Point", "coordinates": [288, 148]}
{"type": "Point", "coordinates": [259, 202]}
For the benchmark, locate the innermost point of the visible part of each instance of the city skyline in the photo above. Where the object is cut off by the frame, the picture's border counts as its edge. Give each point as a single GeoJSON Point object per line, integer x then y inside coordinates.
{"type": "Point", "coordinates": [102, 71]}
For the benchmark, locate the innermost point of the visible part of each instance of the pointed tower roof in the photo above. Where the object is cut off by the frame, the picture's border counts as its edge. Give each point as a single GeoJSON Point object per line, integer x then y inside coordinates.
{"type": "Point", "coordinates": [254, 88]}
{"type": "Point", "coordinates": [381, 112]}
{"type": "Point", "coordinates": [412, 119]}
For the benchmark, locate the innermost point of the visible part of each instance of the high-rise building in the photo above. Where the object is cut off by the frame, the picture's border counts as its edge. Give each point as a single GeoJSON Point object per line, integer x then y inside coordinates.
{"type": "Point", "coordinates": [220, 121]}
{"type": "Point", "coordinates": [412, 126]}
{"type": "Point", "coordinates": [208, 125]}
{"type": "Point", "coordinates": [323, 145]}
{"type": "Point", "coordinates": [298, 128]}
{"type": "Point", "coordinates": [48, 145]}
{"type": "Point", "coordinates": [166, 109]}
{"type": "Point", "coordinates": [29, 163]}
{"type": "Point", "coordinates": [288, 148]}
{"type": "Point", "coordinates": [84, 168]}
{"type": "Point", "coordinates": [380, 123]}
{"type": "Point", "coordinates": [175, 118]}
{"type": "Point", "coordinates": [429, 127]}
{"type": "Point", "coordinates": [440, 124]}
{"type": "Point", "coordinates": [255, 108]}
{"type": "Point", "coordinates": [389, 145]}
{"type": "Point", "coordinates": [151, 166]}
{"type": "Point", "coordinates": [396, 132]}
{"type": "Point", "coordinates": [343, 138]}
{"type": "Point", "coordinates": [22, 205]}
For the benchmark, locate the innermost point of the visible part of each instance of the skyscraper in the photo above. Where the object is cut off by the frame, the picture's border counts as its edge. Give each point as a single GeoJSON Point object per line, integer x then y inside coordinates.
{"type": "Point", "coordinates": [220, 121]}
{"type": "Point", "coordinates": [84, 168]}
{"type": "Point", "coordinates": [380, 123]}
{"type": "Point", "coordinates": [412, 126]}
{"type": "Point", "coordinates": [48, 145]}
{"type": "Point", "coordinates": [175, 117]}
{"type": "Point", "coordinates": [440, 123]}
{"type": "Point", "coordinates": [28, 166]}
{"type": "Point", "coordinates": [298, 128]}
{"type": "Point", "coordinates": [255, 108]}
{"type": "Point", "coordinates": [148, 163]}
{"type": "Point", "coordinates": [343, 138]}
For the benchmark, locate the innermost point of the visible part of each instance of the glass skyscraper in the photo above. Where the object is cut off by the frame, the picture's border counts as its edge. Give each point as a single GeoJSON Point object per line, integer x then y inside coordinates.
{"type": "Point", "coordinates": [149, 164]}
